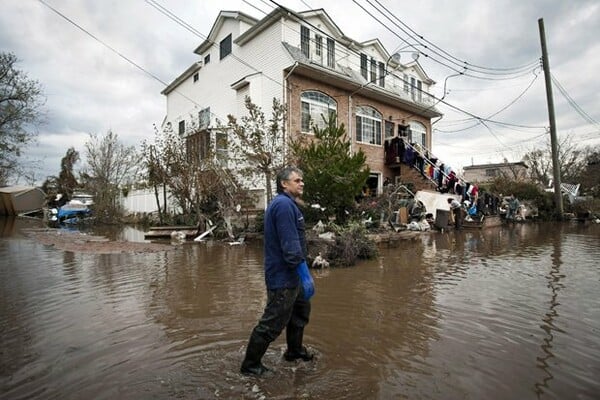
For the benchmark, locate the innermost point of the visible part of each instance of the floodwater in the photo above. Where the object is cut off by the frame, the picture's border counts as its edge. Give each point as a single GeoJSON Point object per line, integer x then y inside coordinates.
{"type": "Point", "coordinates": [504, 313]}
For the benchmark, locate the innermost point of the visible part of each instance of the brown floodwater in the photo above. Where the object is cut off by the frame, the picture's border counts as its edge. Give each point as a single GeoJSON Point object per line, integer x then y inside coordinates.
{"type": "Point", "coordinates": [505, 313]}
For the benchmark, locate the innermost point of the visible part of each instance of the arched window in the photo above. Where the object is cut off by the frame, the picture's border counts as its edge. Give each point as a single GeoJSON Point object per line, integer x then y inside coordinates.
{"type": "Point", "coordinates": [315, 107]}
{"type": "Point", "coordinates": [419, 132]}
{"type": "Point", "coordinates": [368, 125]}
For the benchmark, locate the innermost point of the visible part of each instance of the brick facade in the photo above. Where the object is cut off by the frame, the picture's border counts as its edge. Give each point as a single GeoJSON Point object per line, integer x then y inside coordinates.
{"type": "Point", "coordinates": [296, 84]}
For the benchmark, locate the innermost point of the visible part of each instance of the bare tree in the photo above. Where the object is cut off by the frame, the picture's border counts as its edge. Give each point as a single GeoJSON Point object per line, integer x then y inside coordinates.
{"type": "Point", "coordinates": [21, 100]}
{"type": "Point", "coordinates": [110, 166]}
{"type": "Point", "coordinates": [571, 159]}
{"type": "Point", "coordinates": [188, 165]}
{"type": "Point", "coordinates": [257, 145]}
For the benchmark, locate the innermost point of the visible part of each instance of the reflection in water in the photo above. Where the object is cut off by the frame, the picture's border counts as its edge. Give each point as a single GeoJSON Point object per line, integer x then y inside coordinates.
{"type": "Point", "coordinates": [550, 317]}
{"type": "Point", "coordinates": [447, 316]}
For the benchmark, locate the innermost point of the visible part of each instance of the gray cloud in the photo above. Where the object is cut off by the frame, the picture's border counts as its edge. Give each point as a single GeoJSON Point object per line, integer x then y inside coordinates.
{"type": "Point", "coordinates": [90, 89]}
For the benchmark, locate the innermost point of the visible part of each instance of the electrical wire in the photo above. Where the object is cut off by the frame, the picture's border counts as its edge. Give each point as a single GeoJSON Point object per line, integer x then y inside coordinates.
{"type": "Point", "coordinates": [187, 26]}
{"type": "Point", "coordinates": [424, 93]}
{"type": "Point", "coordinates": [572, 102]}
{"type": "Point", "coordinates": [118, 53]}
{"type": "Point", "coordinates": [458, 61]}
{"type": "Point", "coordinates": [191, 29]}
{"type": "Point", "coordinates": [492, 75]}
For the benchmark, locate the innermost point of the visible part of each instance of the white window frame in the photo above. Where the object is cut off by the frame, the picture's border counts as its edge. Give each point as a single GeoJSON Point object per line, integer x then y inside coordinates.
{"type": "Point", "coordinates": [419, 133]}
{"type": "Point", "coordinates": [317, 104]}
{"type": "Point", "coordinates": [369, 125]}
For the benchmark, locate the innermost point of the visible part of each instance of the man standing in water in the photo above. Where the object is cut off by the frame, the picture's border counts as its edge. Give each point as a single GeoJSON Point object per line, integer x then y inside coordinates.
{"type": "Point", "coordinates": [285, 249]}
{"type": "Point", "coordinates": [456, 210]}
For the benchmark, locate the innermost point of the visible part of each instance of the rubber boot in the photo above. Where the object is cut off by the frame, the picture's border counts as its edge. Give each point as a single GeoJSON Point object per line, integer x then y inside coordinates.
{"type": "Point", "coordinates": [295, 350]}
{"type": "Point", "coordinates": [252, 365]}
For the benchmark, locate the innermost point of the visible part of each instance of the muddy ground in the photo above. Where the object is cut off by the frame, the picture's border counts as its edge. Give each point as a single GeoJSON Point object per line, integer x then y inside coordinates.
{"type": "Point", "coordinates": [84, 243]}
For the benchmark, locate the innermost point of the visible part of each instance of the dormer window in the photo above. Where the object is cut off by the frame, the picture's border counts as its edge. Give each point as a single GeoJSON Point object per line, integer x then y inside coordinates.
{"type": "Point", "coordinates": [225, 47]}
{"type": "Point", "coordinates": [305, 40]}
{"type": "Point", "coordinates": [330, 53]}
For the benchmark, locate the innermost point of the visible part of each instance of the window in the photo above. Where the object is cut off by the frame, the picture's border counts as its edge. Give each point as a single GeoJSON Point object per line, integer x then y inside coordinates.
{"type": "Point", "coordinates": [197, 146]}
{"type": "Point", "coordinates": [419, 133]}
{"type": "Point", "coordinates": [389, 129]}
{"type": "Point", "coordinates": [330, 53]}
{"type": "Point", "coordinates": [221, 145]}
{"type": "Point", "coordinates": [315, 107]}
{"type": "Point", "coordinates": [225, 47]}
{"type": "Point", "coordinates": [181, 128]}
{"type": "Point", "coordinates": [406, 83]}
{"type": "Point", "coordinates": [416, 89]}
{"type": "Point", "coordinates": [195, 77]}
{"type": "Point", "coordinates": [204, 118]}
{"type": "Point", "coordinates": [318, 45]}
{"type": "Point", "coordinates": [491, 172]}
{"type": "Point", "coordinates": [305, 40]}
{"type": "Point", "coordinates": [373, 70]}
{"type": "Point", "coordinates": [363, 65]}
{"type": "Point", "coordinates": [368, 125]}
{"type": "Point", "coordinates": [381, 74]}
{"type": "Point", "coordinates": [207, 59]}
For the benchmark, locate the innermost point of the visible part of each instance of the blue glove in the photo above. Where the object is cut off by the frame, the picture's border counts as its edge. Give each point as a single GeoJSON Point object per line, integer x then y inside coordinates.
{"type": "Point", "coordinates": [306, 280]}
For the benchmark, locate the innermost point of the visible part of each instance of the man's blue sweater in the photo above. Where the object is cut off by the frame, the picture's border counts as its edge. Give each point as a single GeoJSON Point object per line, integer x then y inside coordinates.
{"type": "Point", "coordinates": [285, 244]}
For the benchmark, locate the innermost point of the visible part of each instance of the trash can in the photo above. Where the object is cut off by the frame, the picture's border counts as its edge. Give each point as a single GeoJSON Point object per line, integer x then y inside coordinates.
{"type": "Point", "coordinates": [442, 218]}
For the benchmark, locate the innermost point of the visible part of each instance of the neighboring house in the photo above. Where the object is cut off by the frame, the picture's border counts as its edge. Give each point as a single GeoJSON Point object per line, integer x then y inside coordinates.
{"type": "Point", "coordinates": [17, 200]}
{"type": "Point", "coordinates": [487, 172]}
{"type": "Point", "coordinates": [308, 63]}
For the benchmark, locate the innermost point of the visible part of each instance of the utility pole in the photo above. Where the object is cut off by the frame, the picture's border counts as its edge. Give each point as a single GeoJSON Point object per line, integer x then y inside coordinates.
{"type": "Point", "coordinates": [553, 141]}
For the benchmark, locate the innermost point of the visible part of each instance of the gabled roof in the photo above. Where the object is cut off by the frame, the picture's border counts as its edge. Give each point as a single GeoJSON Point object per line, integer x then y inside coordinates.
{"type": "Point", "coordinates": [378, 46]}
{"type": "Point", "coordinates": [221, 18]}
{"type": "Point", "coordinates": [186, 74]}
{"type": "Point", "coordinates": [281, 12]}
{"type": "Point", "coordinates": [420, 71]}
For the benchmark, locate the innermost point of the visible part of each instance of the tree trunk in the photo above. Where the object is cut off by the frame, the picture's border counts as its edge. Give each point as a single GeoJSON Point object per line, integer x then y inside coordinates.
{"type": "Point", "coordinates": [156, 196]}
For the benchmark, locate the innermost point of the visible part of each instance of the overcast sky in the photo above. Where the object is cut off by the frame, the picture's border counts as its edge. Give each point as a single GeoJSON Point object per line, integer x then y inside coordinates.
{"type": "Point", "coordinates": [92, 85]}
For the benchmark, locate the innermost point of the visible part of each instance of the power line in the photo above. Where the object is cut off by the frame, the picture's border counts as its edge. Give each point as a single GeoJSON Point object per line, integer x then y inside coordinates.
{"type": "Point", "coordinates": [460, 62]}
{"type": "Point", "coordinates": [492, 75]}
{"type": "Point", "coordinates": [104, 43]}
{"type": "Point", "coordinates": [416, 88]}
{"type": "Point", "coordinates": [572, 102]}
{"type": "Point", "coordinates": [144, 70]}
{"type": "Point", "coordinates": [187, 26]}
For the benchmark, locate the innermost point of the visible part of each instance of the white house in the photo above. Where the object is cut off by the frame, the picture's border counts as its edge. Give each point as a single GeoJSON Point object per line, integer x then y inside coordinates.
{"type": "Point", "coordinates": [306, 61]}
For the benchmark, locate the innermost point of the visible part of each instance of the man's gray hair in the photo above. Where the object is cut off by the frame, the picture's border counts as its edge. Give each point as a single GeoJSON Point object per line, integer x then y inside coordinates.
{"type": "Point", "coordinates": [285, 174]}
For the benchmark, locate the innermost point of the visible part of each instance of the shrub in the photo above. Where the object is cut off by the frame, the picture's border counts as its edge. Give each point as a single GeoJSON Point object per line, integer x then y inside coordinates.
{"type": "Point", "coordinates": [351, 244]}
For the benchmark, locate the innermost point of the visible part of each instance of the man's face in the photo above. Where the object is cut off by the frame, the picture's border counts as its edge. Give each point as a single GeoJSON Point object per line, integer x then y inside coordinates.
{"type": "Point", "coordinates": [294, 186]}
